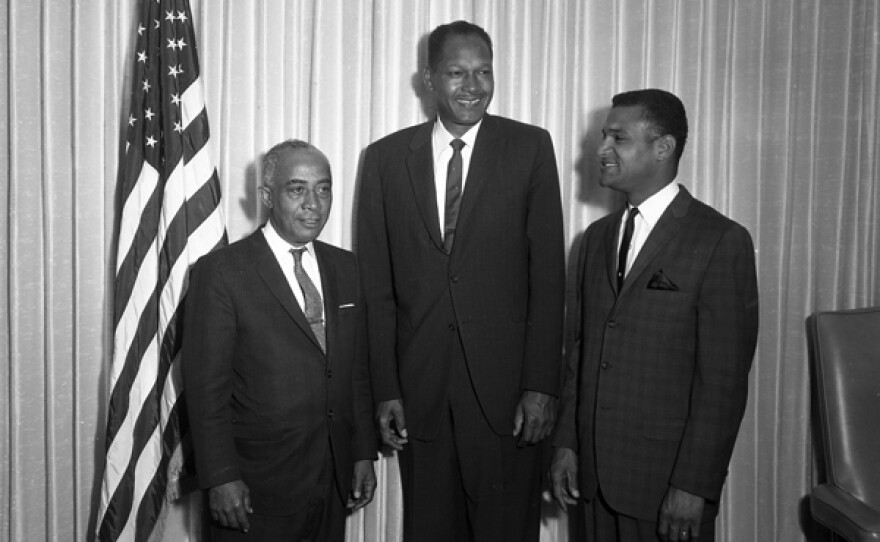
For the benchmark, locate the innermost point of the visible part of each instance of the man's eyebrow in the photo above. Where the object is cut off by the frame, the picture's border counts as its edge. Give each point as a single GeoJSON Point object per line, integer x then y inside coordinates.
{"type": "Point", "coordinates": [303, 181]}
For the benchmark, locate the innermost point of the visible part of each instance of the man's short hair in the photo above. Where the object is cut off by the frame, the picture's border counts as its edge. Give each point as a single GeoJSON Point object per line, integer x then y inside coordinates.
{"type": "Point", "coordinates": [439, 35]}
{"type": "Point", "coordinates": [270, 160]}
{"type": "Point", "coordinates": [661, 110]}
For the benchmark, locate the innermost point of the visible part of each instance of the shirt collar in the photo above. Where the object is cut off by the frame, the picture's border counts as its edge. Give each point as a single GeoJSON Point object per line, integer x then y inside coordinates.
{"type": "Point", "coordinates": [653, 208]}
{"type": "Point", "coordinates": [279, 246]}
{"type": "Point", "coordinates": [442, 137]}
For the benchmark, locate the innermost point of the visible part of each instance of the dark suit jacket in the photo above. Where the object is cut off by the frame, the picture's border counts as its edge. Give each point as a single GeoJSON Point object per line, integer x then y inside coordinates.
{"type": "Point", "coordinates": [264, 401]}
{"type": "Point", "coordinates": [657, 388]}
{"type": "Point", "coordinates": [501, 288]}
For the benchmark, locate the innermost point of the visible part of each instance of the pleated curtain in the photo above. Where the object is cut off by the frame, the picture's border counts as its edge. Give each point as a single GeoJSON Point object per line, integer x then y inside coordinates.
{"type": "Point", "coordinates": [782, 98]}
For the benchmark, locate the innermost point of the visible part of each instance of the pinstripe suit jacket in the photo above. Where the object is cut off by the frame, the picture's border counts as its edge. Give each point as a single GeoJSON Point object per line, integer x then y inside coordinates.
{"type": "Point", "coordinates": [264, 401]}
{"type": "Point", "coordinates": [656, 389]}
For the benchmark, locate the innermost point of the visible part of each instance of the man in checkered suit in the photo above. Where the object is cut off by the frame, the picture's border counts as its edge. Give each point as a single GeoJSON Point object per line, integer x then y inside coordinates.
{"type": "Point", "coordinates": [667, 327]}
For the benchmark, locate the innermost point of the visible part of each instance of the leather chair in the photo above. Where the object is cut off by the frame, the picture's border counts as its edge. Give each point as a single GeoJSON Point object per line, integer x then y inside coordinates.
{"type": "Point", "coordinates": [846, 368]}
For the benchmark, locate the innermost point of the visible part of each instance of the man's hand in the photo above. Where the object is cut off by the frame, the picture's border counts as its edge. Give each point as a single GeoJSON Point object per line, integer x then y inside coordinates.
{"type": "Point", "coordinates": [363, 485]}
{"type": "Point", "coordinates": [563, 477]}
{"type": "Point", "coordinates": [392, 423]}
{"type": "Point", "coordinates": [534, 418]}
{"type": "Point", "coordinates": [230, 503]}
{"type": "Point", "coordinates": [680, 516]}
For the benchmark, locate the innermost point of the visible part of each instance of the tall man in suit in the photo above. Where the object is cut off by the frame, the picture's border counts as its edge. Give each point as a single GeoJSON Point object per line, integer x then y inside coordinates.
{"type": "Point", "coordinates": [668, 308]}
{"type": "Point", "coordinates": [275, 367]}
{"type": "Point", "coordinates": [461, 251]}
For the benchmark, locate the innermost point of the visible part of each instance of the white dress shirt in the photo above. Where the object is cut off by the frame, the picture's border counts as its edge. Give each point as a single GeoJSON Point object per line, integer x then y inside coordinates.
{"type": "Point", "coordinates": [650, 212]}
{"type": "Point", "coordinates": [440, 139]}
{"type": "Point", "coordinates": [281, 249]}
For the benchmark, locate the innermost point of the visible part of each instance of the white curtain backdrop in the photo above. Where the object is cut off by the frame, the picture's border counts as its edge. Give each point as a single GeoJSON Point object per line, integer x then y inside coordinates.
{"type": "Point", "coordinates": [784, 104]}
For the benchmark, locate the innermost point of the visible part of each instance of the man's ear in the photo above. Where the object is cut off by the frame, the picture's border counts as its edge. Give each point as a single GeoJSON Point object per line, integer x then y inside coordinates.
{"type": "Point", "coordinates": [664, 147]}
{"type": "Point", "coordinates": [426, 79]}
{"type": "Point", "coordinates": [265, 196]}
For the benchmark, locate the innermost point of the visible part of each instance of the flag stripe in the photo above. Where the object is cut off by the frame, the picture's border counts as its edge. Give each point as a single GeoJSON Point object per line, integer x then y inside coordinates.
{"type": "Point", "coordinates": [144, 194]}
{"type": "Point", "coordinates": [197, 133]}
{"type": "Point", "coordinates": [192, 104]}
{"type": "Point", "coordinates": [141, 241]}
{"type": "Point", "coordinates": [154, 495]}
{"type": "Point", "coordinates": [125, 393]}
{"type": "Point", "coordinates": [118, 480]}
{"type": "Point", "coordinates": [181, 187]}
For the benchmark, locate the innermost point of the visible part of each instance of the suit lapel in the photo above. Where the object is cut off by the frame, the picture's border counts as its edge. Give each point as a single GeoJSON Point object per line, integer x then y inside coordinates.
{"type": "Point", "coordinates": [482, 162]}
{"type": "Point", "coordinates": [271, 274]}
{"type": "Point", "coordinates": [664, 231]}
{"type": "Point", "coordinates": [420, 164]}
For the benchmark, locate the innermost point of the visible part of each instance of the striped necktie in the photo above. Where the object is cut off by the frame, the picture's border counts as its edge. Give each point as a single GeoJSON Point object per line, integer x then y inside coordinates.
{"type": "Point", "coordinates": [314, 305]}
{"type": "Point", "coordinates": [453, 193]}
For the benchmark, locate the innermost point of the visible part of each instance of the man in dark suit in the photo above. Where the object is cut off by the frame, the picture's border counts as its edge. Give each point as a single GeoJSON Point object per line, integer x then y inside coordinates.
{"type": "Point", "coordinates": [461, 251]}
{"type": "Point", "coordinates": [275, 368]}
{"type": "Point", "coordinates": [668, 310]}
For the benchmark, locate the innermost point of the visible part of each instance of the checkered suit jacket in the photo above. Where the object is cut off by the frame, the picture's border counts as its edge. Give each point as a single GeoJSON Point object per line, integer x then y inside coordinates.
{"type": "Point", "coordinates": [656, 389]}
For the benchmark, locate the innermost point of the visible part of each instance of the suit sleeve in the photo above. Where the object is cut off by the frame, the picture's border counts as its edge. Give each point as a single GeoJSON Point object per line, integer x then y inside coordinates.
{"type": "Point", "coordinates": [543, 344]}
{"type": "Point", "coordinates": [727, 331]}
{"type": "Point", "coordinates": [364, 444]}
{"type": "Point", "coordinates": [375, 264]}
{"type": "Point", "coordinates": [565, 435]}
{"type": "Point", "coordinates": [207, 353]}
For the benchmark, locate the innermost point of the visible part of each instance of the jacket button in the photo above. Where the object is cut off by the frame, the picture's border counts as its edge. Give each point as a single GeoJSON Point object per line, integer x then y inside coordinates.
{"type": "Point", "coordinates": [330, 414]}
{"type": "Point", "coordinates": [605, 365]}
{"type": "Point", "coordinates": [612, 323]}
{"type": "Point", "coordinates": [451, 327]}
{"type": "Point", "coordinates": [454, 278]}
{"type": "Point", "coordinates": [329, 373]}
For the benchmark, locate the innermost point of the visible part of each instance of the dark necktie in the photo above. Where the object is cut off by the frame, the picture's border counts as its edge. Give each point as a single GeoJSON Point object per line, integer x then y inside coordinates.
{"type": "Point", "coordinates": [624, 246]}
{"type": "Point", "coordinates": [314, 306]}
{"type": "Point", "coordinates": [453, 193]}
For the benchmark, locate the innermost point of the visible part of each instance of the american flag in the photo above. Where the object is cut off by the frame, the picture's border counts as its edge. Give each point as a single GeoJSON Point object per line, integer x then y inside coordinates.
{"type": "Point", "coordinates": [169, 199]}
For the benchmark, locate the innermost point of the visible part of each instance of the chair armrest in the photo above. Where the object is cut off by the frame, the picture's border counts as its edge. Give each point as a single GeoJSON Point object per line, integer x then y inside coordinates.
{"type": "Point", "coordinates": [844, 514]}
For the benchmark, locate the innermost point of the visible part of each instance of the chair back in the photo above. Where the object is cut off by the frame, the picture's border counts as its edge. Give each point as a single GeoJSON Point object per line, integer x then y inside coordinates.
{"type": "Point", "coordinates": [846, 354]}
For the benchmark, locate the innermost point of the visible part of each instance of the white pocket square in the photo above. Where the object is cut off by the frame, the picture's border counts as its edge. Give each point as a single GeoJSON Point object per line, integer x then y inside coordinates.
{"type": "Point", "coordinates": [347, 306]}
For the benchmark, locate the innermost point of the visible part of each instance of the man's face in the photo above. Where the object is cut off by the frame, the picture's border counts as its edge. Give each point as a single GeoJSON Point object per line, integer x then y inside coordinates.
{"type": "Point", "coordinates": [462, 82]}
{"type": "Point", "coordinates": [299, 196]}
{"type": "Point", "coordinates": [627, 155]}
